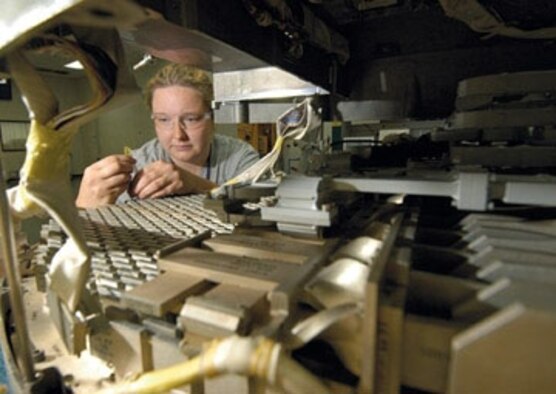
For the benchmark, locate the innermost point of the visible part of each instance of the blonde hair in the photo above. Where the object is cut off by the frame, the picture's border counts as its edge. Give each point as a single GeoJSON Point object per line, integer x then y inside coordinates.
{"type": "Point", "coordinates": [181, 75]}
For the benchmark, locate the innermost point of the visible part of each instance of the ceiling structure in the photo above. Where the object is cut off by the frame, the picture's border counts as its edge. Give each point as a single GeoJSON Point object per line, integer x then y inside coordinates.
{"type": "Point", "coordinates": [336, 44]}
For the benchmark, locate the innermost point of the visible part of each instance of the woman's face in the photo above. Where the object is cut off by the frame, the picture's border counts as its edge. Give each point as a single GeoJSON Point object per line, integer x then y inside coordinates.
{"type": "Point", "coordinates": [183, 124]}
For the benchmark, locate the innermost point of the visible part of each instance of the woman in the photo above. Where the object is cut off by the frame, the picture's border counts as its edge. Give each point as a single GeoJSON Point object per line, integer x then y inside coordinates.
{"type": "Point", "coordinates": [185, 157]}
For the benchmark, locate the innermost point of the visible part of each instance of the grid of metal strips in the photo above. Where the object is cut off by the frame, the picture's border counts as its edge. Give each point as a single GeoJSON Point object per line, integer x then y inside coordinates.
{"type": "Point", "coordinates": [123, 239]}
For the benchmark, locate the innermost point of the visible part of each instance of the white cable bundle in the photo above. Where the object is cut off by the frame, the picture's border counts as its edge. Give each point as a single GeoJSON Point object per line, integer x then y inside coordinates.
{"type": "Point", "coordinates": [292, 124]}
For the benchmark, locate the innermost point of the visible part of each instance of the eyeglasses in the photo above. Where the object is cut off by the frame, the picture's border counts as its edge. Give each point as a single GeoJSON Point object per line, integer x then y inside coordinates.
{"type": "Point", "coordinates": [187, 121]}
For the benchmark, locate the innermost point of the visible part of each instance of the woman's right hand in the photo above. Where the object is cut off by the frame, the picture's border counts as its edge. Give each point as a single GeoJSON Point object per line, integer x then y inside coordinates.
{"type": "Point", "coordinates": [104, 181]}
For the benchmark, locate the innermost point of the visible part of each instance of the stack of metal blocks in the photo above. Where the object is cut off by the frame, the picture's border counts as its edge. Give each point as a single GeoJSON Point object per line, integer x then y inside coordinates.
{"type": "Point", "coordinates": [124, 239]}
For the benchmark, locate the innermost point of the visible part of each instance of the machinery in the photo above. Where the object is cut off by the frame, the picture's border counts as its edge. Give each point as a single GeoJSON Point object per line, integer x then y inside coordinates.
{"type": "Point", "coordinates": [397, 238]}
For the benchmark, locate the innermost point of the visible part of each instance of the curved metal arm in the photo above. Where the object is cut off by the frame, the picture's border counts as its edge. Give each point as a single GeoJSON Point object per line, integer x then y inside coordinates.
{"type": "Point", "coordinates": [309, 328]}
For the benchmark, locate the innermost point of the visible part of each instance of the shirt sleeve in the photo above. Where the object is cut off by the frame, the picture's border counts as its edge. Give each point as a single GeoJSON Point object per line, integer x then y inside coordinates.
{"type": "Point", "coordinates": [247, 158]}
{"type": "Point", "coordinates": [230, 157]}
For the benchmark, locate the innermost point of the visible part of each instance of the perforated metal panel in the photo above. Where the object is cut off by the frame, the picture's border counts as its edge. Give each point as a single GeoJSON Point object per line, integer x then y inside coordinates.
{"type": "Point", "coordinates": [123, 239]}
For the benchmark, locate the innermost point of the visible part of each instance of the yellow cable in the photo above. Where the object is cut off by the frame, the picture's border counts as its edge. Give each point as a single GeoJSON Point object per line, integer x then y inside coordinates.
{"type": "Point", "coordinates": [251, 172]}
{"type": "Point", "coordinates": [163, 380]}
{"type": "Point", "coordinates": [261, 362]}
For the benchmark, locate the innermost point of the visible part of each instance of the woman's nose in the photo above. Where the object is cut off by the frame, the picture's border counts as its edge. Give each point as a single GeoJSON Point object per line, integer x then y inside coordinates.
{"type": "Point", "coordinates": [179, 131]}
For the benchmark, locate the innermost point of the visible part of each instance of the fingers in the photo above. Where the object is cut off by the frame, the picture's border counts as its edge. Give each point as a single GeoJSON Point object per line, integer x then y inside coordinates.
{"type": "Point", "coordinates": [113, 165]}
{"type": "Point", "coordinates": [168, 190]}
{"type": "Point", "coordinates": [104, 181]}
{"type": "Point", "coordinates": [156, 180]}
{"type": "Point", "coordinates": [119, 181]}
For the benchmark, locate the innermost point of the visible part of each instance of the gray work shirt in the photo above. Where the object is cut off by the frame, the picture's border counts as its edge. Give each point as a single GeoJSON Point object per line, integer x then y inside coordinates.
{"type": "Point", "coordinates": [228, 157]}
